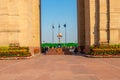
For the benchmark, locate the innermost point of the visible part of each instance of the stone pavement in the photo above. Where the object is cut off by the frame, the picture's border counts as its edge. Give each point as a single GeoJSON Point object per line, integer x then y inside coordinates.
{"type": "Point", "coordinates": [60, 67]}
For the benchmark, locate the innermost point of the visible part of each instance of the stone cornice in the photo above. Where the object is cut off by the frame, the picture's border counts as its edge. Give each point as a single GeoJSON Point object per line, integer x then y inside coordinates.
{"type": "Point", "coordinates": [6, 14]}
{"type": "Point", "coordinates": [9, 31]}
{"type": "Point", "coordinates": [103, 29]}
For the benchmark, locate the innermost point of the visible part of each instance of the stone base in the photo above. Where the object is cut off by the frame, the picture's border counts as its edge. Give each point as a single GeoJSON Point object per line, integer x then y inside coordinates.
{"type": "Point", "coordinates": [34, 50]}
{"type": "Point", "coordinates": [56, 51]}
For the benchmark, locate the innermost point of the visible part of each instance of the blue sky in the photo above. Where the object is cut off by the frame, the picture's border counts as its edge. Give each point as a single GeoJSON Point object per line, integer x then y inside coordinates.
{"type": "Point", "coordinates": [59, 12]}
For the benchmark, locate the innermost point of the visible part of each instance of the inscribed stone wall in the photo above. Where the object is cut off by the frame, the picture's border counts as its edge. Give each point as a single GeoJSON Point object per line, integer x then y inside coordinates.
{"type": "Point", "coordinates": [3, 22]}
{"type": "Point", "coordinates": [92, 21]}
{"type": "Point", "coordinates": [115, 21]}
{"type": "Point", "coordinates": [105, 15]}
{"type": "Point", "coordinates": [103, 21]}
{"type": "Point", "coordinates": [19, 22]}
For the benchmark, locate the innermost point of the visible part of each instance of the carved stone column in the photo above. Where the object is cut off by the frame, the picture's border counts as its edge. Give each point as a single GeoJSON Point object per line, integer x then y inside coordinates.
{"type": "Point", "coordinates": [108, 21]}
{"type": "Point", "coordinates": [87, 25]}
{"type": "Point", "coordinates": [83, 25]}
{"type": "Point", "coordinates": [97, 23]}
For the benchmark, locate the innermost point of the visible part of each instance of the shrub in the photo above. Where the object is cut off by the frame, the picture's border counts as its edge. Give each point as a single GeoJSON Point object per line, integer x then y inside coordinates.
{"type": "Point", "coordinates": [14, 51]}
{"type": "Point", "coordinates": [105, 50]}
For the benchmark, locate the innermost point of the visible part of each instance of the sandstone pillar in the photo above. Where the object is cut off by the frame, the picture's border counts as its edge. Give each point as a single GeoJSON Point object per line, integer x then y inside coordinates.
{"type": "Point", "coordinates": [87, 26]}
{"type": "Point", "coordinates": [83, 25]}
{"type": "Point", "coordinates": [103, 22]}
{"type": "Point", "coordinates": [108, 21]}
{"type": "Point", "coordinates": [114, 9]}
{"type": "Point", "coordinates": [97, 23]}
{"type": "Point", "coordinates": [36, 23]}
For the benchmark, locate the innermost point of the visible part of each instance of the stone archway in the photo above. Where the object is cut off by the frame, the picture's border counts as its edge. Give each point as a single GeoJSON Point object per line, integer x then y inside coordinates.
{"type": "Point", "coordinates": [98, 22]}
{"type": "Point", "coordinates": [21, 23]}
{"type": "Point", "coordinates": [83, 16]}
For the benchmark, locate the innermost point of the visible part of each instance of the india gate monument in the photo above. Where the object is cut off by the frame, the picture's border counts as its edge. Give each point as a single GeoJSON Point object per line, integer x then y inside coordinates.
{"type": "Point", "coordinates": [98, 22]}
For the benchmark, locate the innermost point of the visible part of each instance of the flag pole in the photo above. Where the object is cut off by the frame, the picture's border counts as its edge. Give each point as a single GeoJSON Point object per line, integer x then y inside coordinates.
{"type": "Point", "coordinates": [53, 33]}
{"type": "Point", "coordinates": [65, 33]}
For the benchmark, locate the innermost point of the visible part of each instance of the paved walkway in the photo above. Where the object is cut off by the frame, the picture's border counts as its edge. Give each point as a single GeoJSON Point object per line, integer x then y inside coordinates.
{"type": "Point", "coordinates": [60, 67]}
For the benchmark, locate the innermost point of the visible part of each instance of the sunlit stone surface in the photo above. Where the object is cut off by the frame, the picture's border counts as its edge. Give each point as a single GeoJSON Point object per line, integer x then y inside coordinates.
{"type": "Point", "coordinates": [98, 22]}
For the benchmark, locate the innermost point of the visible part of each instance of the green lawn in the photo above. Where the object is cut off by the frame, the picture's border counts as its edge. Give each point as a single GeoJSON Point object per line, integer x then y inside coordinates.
{"type": "Point", "coordinates": [56, 44]}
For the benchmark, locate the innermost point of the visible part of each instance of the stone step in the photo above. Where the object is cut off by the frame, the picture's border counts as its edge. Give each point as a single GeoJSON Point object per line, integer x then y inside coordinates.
{"type": "Point", "coordinates": [59, 51]}
{"type": "Point", "coordinates": [56, 51]}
